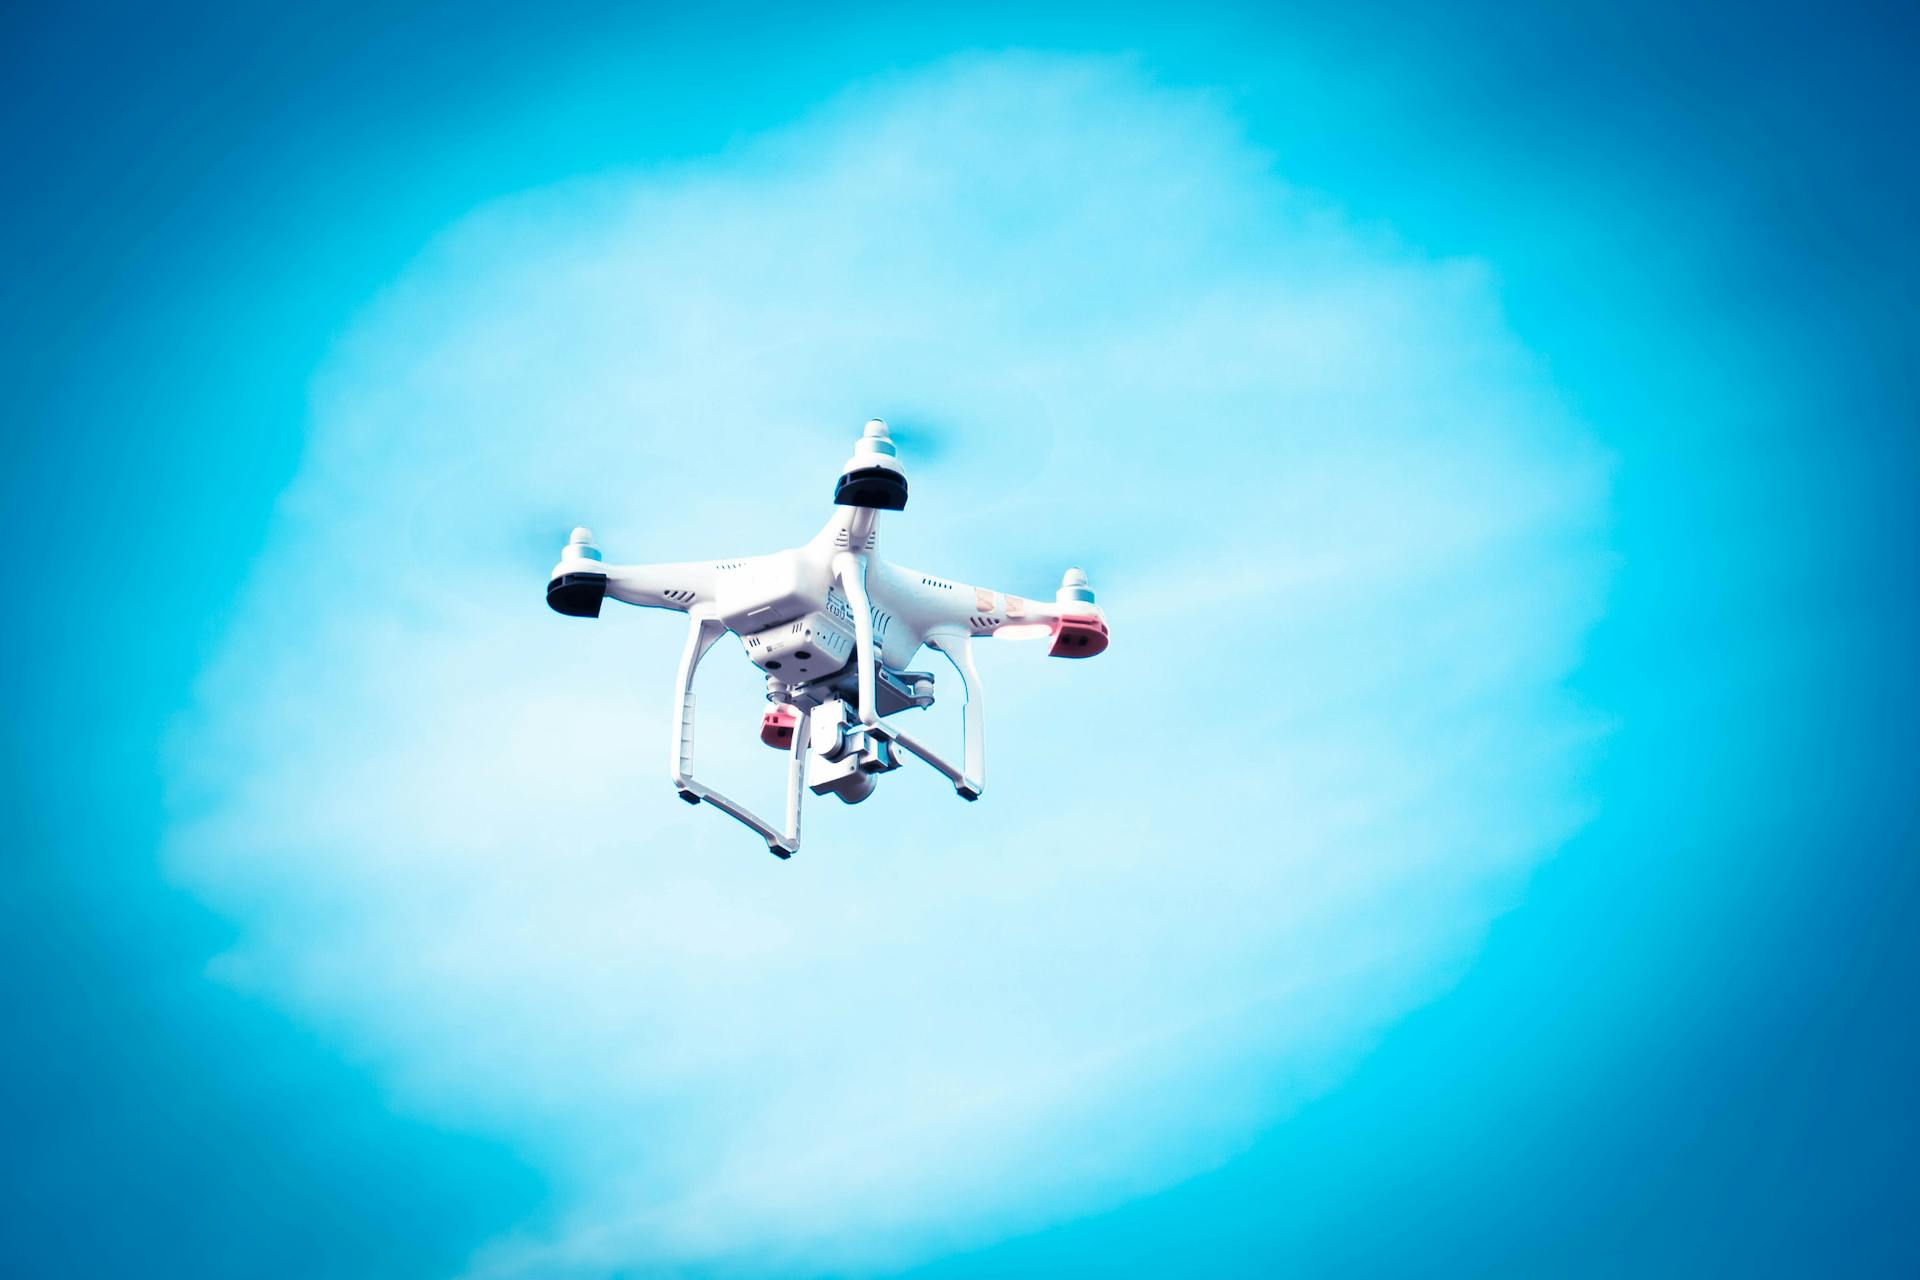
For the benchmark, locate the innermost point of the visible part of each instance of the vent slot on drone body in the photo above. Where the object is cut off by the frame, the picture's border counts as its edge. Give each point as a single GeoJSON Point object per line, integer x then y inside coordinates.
{"type": "Point", "coordinates": [678, 595]}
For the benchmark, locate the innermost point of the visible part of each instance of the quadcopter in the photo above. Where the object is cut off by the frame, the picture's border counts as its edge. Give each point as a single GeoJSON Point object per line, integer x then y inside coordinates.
{"type": "Point", "coordinates": [833, 626]}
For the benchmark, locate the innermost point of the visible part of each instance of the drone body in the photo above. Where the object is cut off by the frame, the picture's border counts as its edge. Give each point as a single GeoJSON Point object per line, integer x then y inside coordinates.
{"type": "Point", "coordinates": [833, 626]}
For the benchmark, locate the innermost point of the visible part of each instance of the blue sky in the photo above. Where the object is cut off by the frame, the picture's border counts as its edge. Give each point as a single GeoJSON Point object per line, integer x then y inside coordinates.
{"type": "Point", "coordinates": [1529, 395]}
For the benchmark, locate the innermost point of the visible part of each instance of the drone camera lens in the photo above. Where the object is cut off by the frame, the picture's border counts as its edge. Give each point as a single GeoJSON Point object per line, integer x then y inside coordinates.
{"type": "Point", "coordinates": [803, 655]}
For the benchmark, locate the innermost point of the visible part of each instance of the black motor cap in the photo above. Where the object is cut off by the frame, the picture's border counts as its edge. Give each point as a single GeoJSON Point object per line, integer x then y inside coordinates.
{"type": "Point", "coordinates": [878, 487]}
{"type": "Point", "coordinates": [578, 595]}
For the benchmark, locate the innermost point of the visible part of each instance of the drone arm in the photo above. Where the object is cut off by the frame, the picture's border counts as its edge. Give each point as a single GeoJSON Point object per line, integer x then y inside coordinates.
{"type": "Point", "coordinates": [661, 586]}
{"type": "Point", "coordinates": [970, 780]}
{"type": "Point", "coordinates": [581, 582]}
{"type": "Point", "coordinates": [797, 776]}
{"type": "Point", "coordinates": [1003, 609]}
{"type": "Point", "coordinates": [958, 648]}
{"type": "Point", "coordinates": [700, 637]}
{"type": "Point", "coordinates": [852, 572]}
{"type": "Point", "coordinates": [1071, 620]}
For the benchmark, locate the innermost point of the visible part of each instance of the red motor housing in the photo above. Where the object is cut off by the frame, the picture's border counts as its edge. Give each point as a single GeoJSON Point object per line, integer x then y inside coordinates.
{"type": "Point", "coordinates": [1078, 638]}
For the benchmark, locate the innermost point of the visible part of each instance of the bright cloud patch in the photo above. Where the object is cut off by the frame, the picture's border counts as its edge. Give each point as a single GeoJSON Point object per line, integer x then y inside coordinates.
{"type": "Point", "coordinates": [1347, 539]}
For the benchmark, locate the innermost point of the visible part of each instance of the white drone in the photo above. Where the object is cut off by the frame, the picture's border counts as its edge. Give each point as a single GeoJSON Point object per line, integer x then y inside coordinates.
{"type": "Point", "coordinates": [833, 626]}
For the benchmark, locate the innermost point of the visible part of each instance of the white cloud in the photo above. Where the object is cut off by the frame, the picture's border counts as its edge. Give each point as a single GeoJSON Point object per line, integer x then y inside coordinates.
{"type": "Point", "coordinates": [1349, 542]}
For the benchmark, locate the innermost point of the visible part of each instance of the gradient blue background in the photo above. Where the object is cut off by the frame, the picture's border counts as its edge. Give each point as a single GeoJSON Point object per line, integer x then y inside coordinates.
{"type": "Point", "coordinates": [1693, 1045]}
